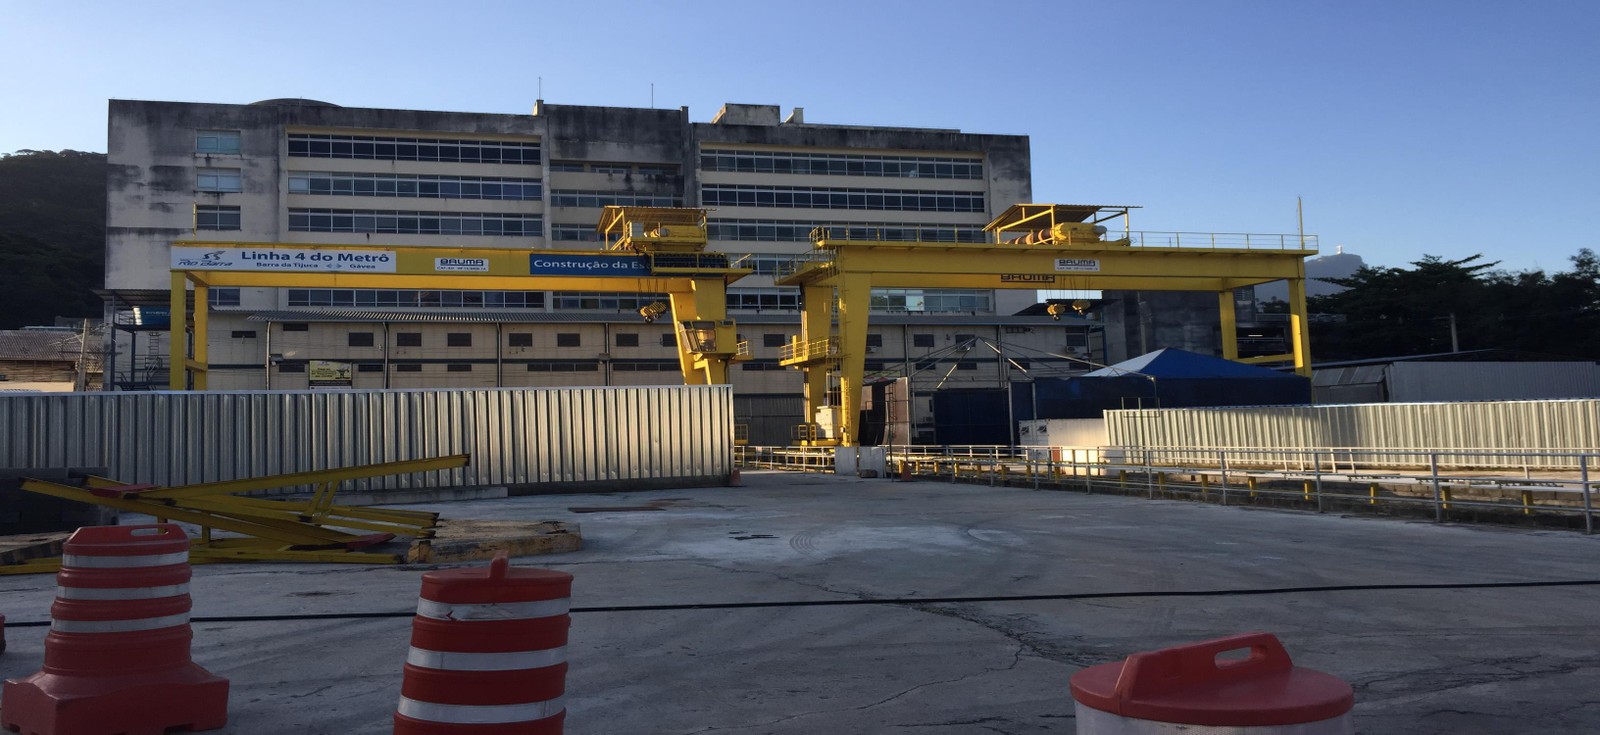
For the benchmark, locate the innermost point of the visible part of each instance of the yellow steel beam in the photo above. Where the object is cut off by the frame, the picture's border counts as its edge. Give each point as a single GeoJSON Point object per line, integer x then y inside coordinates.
{"type": "Point", "coordinates": [1230, 327]}
{"type": "Point", "coordinates": [1266, 359]}
{"type": "Point", "coordinates": [160, 510]}
{"type": "Point", "coordinates": [178, 338]}
{"type": "Point", "coordinates": [1299, 324]}
{"type": "Point", "coordinates": [337, 474]}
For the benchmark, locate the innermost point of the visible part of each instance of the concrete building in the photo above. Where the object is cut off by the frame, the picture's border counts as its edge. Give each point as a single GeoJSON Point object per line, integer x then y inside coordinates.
{"type": "Point", "coordinates": [301, 171]}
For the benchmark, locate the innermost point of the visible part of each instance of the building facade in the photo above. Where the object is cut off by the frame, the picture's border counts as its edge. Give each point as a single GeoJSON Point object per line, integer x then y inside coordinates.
{"type": "Point", "coordinates": [300, 171]}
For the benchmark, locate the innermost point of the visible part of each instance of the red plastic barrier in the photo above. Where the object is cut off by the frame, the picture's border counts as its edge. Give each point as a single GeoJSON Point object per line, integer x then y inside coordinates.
{"type": "Point", "coordinates": [488, 653]}
{"type": "Point", "coordinates": [1188, 688]}
{"type": "Point", "coordinates": [116, 659]}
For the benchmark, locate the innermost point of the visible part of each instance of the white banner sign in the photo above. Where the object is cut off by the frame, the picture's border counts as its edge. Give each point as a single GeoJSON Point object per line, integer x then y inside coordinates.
{"type": "Point", "coordinates": [1077, 264]}
{"type": "Point", "coordinates": [283, 259]}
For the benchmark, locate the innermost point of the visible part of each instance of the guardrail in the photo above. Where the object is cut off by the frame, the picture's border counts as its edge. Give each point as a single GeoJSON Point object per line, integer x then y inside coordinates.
{"type": "Point", "coordinates": [809, 350]}
{"type": "Point", "coordinates": [802, 459]}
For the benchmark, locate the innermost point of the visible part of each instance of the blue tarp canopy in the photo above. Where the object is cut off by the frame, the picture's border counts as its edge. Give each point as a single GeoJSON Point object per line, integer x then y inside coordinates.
{"type": "Point", "coordinates": [1168, 379]}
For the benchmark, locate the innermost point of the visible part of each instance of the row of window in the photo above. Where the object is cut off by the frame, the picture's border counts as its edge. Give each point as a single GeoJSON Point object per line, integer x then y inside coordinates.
{"type": "Point", "coordinates": [414, 185]}
{"type": "Point", "coordinates": [464, 339]}
{"type": "Point", "coordinates": [380, 148]}
{"type": "Point", "coordinates": [643, 169]}
{"type": "Point", "coordinates": [416, 223]}
{"type": "Point", "coordinates": [415, 298]}
{"type": "Point", "coordinates": [840, 164]}
{"type": "Point", "coordinates": [830, 197]}
{"type": "Point", "coordinates": [752, 230]}
{"type": "Point", "coordinates": [224, 142]}
{"type": "Point", "coordinates": [603, 300]}
{"type": "Point", "coordinates": [543, 366]}
{"type": "Point", "coordinates": [577, 198]}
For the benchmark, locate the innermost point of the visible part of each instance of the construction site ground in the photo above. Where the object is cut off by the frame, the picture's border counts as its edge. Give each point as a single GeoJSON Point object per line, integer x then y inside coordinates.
{"type": "Point", "coordinates": [1126, 574]}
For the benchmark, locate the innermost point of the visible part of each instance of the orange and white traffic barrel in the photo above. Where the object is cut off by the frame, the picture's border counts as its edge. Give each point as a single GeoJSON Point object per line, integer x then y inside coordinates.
{"type": "Point", "coordinates": [116, 658]}
{"type": "Point", "coordinates": [1188, 689]}
{"type": "Point", "coordinates": [488, 653]}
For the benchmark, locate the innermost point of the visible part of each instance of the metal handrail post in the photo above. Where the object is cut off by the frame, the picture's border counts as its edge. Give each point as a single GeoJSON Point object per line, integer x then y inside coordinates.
{"type": "Point", "coordinates": [1222, 463]}
{"type": "Point", "coordinates": [1439, 503]}
{"type": "Point", "coordinates": [1149, 476]}
{"type": "Point", "coordinates": [1583, 478]}
{"type": "Point", "coordinates": [1316, 473]}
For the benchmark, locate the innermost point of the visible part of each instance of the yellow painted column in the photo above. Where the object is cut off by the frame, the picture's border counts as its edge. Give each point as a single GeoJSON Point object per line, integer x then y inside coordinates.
{"type": "Point", "coordinates": [855, 298]}
{"type": "Point", "coordinates": [1230, 326]}
{"type": "Point", "coordinates": [816, 322]}
{"type": "Point", "coordinates": [683, 309]}
{"type": "Point", "coordinates": [202, 325]}
{"type": "Point", "coordinates": [178, 339]}
{"type": "Point", "coordinates": [1299, 328]}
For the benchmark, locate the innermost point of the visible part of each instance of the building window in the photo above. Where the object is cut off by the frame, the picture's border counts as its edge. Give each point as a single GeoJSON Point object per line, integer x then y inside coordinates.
{"type": "Point", "coordinates": [603, 300]}
{"type": "Point", "coordinates": [774, 339]}
{"type": "Point", "coordinates": [458, 367]}
{"type": "Point", "coordinates": [408, 368]}
{"type": "Point", "coordinates": [458, 339]}
{"type": "Point", "coordinates": [832, 197]}
{"type": "Point", "coordinates": [244, 334]}
{"type": "Point", "coordinates": [670, 339]}
{"type": "Point", "coordinates": [291, 367]}
{"type": "Point", "coordinates": [922, 340]}
{"type": "Point", "coordinates": [966, 365]}
{"type": "Point", "coordinates": [369, 367]}
{"type": "Point", "coordinates": [380, 148]}
{"type": "Point", "coordinates": [927, 364]}
{"type": "Point", "coordinates": [408, 339]}
{"type": "Point", "coordinates": [296, 327]}
{"type": "Point", "coordinates": [223, 297]}
{"type": "Point", "coordinates": [757, 365]}
{"type": "Point", "coordinates": [360, 339]}
{"type": "Point", "coordinates": [574, 233]}
{"type": "Point", "coordinates": [519, 339]}
{"type": "Point", "coordinates": [766, 299]}
{"type": "Point", "coordinates": [217, 141]}
{"type": "Point", "coordinates": [645, 366]}
{"type": "Point", "coordinates": [1021, 364]}
{"type": "Point", "coordinates": [419, 186]}
{"type": "Point", "coordinates": [627, 339]}
{"type": "Point", "coordinates": [874, 340]}
{"type": "Point", "coordinates": [563, 366]}
{"type": "Point", "coordinates": [752, 230]}
{"type": "Point", "coordinates": [415, 223]}
{"type": "Point", "coordinates": [566, 167]}
{"type": "Point", "coordinates": [409, 298]}
{"type": "Point", "coordinates": [212, 217]}
{"type": "Point", "coordinates": [568, 339]}
{"type": "Point", "coordinates": [840, 164]}
{"type": "Point", "coordinates": [581, 198]}
{"type": "Point", "coordinates": [219, 180]}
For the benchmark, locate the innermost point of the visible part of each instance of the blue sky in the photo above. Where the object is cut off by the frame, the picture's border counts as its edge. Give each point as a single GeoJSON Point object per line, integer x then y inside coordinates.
{"type": "Point", "coordinates": [1412, 127]}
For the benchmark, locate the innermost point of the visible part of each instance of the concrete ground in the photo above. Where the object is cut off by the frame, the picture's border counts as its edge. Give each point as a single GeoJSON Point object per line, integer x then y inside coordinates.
{"type": "Point", "coordinates": [1421, 661]}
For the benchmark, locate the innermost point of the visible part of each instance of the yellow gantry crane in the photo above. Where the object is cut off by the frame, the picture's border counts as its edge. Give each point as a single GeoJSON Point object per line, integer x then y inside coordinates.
{"type": "Point", "coordinates": [648, 250]}
{"type": "Point", "coordinates": [1033, 246]}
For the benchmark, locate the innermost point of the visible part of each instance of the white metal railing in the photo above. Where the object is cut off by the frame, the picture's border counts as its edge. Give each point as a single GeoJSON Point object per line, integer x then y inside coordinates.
{"type": "Point", "coordinates": [1217, 240]}
{"type": "Point", "coordinates": [1517, 485]}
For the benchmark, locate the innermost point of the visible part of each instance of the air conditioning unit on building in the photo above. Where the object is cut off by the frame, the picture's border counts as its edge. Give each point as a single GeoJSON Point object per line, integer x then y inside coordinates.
{"type": "Point", "coordinates": [872, 350]}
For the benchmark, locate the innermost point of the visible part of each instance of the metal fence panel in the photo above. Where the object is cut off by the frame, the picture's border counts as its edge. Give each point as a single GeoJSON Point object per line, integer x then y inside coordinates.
{"type": "Point", "coordinates": [1470, 433]}
{"type": "Point", "coordinates": [516, 436]}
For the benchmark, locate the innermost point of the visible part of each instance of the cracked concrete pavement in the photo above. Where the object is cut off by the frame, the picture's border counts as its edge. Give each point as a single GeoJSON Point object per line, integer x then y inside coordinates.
{"type": "Point", "coordinates": [1421, 661]}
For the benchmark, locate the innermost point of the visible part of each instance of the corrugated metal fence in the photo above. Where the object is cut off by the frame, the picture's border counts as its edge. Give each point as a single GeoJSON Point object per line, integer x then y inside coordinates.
{"type": "Point", "coordinates": [627, 436]}
{"type": "Point", "coordinates": [1487, 427]}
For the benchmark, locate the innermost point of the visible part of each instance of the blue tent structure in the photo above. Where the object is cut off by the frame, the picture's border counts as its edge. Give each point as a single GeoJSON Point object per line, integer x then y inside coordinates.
{"type": "Point", "coordinates": [1169, 378]}
{"type": "Point", "coordinates": [1165, 378]}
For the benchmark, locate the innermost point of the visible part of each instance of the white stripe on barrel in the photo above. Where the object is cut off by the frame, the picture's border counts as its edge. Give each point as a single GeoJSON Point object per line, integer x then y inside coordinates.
{"type": "Point", "coordinates": [118, 626]}
{"type": "Point", "coordinates": [83, 561]}
{"type": "Point", "coordinates": [493, 611]}
{"type": "Point", "coordinates": [506, 661]}
{"type": "Point", "coordinates": [121, 593]}
{"type": "Point", "coordinates": [487, 714]}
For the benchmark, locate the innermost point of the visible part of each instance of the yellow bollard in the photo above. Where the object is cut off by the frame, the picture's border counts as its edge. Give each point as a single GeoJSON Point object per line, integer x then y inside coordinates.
{"type": "Point", "coordinates": [1372, 494]}
{"type": "Point", "coordinates": [1527, 502]}
{"type": "Point", "coordinates": [1250, 482]}
{"type": "Point", "coordinates": [1122, 478]}
{"type": "Point", "coordinates": [1444, 495]}
{"type": "Point", "coordinates": [1205, 486]}
{"type": "Point", "coordinates": [1306, 486]}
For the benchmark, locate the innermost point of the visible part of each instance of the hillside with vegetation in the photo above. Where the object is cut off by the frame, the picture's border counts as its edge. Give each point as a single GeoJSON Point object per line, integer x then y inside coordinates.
{"type": "Point", "coordinates": [52, 235]}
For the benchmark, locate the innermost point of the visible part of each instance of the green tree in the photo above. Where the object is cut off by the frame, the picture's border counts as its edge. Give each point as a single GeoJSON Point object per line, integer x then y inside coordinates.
{"type": "Point", "coordinates": [1409, 311]}
{"type": "Point", "coordinates": [52, 235]}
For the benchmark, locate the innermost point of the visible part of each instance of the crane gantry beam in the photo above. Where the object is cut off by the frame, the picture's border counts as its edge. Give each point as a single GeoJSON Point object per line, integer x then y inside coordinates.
{"type": "Point", "coordinates": [1034, 246]}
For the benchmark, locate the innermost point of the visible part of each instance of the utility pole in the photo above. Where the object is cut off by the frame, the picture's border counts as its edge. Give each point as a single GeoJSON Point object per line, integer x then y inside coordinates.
{"type": "Point", "coordinates": [1455, 341]}
{"type": "Point", "coordinates": [81, 381]}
